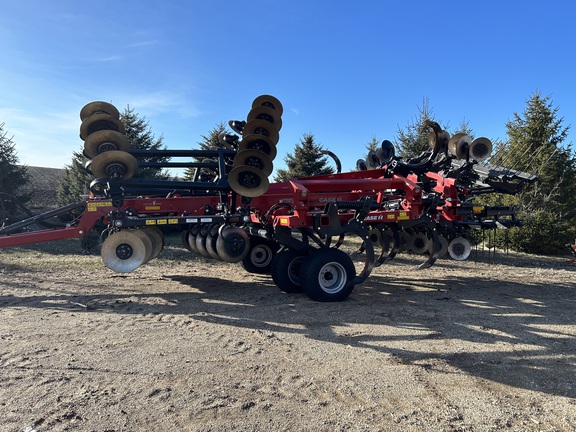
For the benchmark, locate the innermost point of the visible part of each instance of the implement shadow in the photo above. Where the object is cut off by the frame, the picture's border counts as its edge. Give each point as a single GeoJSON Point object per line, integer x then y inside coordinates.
{"type": "Point", "coordinates": [519, 334]}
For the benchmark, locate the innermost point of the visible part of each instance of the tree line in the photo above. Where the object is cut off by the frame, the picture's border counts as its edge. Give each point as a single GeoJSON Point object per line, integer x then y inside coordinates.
{"type": "Point", "coordinates": [536, 143]}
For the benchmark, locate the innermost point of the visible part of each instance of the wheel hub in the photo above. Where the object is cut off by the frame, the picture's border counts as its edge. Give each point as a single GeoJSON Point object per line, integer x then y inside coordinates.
{"type": "Point", "coordinates": [124, 251]}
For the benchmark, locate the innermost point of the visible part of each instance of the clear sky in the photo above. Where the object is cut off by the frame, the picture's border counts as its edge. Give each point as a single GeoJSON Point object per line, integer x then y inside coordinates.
{"type": "Point", "coordinates": [345, 71]}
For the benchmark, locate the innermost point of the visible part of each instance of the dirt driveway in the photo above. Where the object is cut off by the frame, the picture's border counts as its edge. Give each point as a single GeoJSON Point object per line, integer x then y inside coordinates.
{"type": "Point", "coordinates": [189, 344]}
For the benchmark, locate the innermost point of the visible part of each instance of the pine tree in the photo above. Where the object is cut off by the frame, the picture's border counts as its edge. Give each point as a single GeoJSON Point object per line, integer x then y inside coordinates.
{"type": "Point", "coordinates": [372, 146]}
{"type": "Point", "coordinates": [13, 178]}
{"type": "Point", "coordinates": [75, 184]}
{"type": "Point", "coordinates": [209, 142]}
{"type": "Point", "coordinates": [413, 139]}
{"type": "Point", "coordinates": [547, 208]}
{"type": "Point", "coordinates": [76, 180]}
{"type": "Point", "coordinates": [141, 138]}
{"type": "Point", "coordinates": [306, 161]}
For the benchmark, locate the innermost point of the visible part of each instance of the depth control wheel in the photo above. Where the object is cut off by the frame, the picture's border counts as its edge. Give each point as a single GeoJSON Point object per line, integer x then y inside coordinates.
{"type": "Point", "coordinates": [328, 275]}
{"type": "Point", "coordinates": [259, 259]}
{"type": "Point", "coordinates": [286, 270]}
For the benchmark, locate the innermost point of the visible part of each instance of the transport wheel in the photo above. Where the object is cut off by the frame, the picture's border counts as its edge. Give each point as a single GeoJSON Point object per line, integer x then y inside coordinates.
{"type": "Point", "coordinates": [259, 259]}
{"type": "Point", "coordinates": [98, 107]}
{"type": "Point", "coordinates": [459, 249]}
{"type": "Point", "coordinates": [232, 244]}
{"type": "Point", "coordinates": [124, 251]}
{"type": "Point", "coordinates": [328, 275]}
{"type": "Point", "coordinates": [286, 270]}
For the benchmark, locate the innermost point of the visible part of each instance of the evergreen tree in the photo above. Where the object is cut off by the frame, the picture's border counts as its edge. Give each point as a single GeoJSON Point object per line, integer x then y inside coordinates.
{"type": "Point", "coordinates": [372, 146]}
{"type": "Point", "coordinates": [547, 208]}
{"type": "Point", "coordinates": [76, 180]}
{"type": "Point", "coordinates": [75, 187]}
{"type": "Point", "coordinates": [307, 160]}
{"type": "Point", "coordinates": [209, 142]}
{"type": "Point", "coordinates": [12, 180]}
{"type": "Point", "coordinates": [413, 139]}
{"type": "Point", "coordinates": [141, 138]}
{"type": "Point", "coordinates": [75, 184]}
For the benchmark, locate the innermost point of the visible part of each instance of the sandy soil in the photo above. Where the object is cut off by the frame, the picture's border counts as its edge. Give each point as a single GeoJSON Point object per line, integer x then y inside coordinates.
{"type": "Point", "coordinates": [189, 344]}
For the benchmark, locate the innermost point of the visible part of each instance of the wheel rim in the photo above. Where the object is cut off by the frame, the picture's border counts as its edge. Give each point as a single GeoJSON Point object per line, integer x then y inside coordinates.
{"type": "Point", "coordinates": [261, 256]}
{"type": "Point", "coordinates": [332, 277]}
{"type": "Point", "coordinates": [294, 270]}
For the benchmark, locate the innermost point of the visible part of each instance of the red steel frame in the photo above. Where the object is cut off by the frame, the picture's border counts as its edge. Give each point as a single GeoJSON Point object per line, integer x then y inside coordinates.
{"type": "Point", "coordinates": [304, 198]}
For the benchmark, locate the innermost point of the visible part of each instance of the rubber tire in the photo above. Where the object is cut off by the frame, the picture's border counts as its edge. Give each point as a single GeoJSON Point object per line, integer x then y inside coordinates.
{"type": "Point", "coordinates": [326, 266]}
{"type": "Point", "coordinates": [260, 257]}
{"type": "Point", "coordinates": [286, 270]}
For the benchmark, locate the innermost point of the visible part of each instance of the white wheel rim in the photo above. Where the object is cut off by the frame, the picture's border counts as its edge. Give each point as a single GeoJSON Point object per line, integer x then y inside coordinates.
{"type": "Point", "coordinates": [332, 277]}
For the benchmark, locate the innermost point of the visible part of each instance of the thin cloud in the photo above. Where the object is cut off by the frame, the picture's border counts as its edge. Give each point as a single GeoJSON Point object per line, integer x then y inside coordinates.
{"type": "Point", "coordinates": [164, 102]}
{"type": "Point", "coordinates": [42, 139]}
{"type": "Point", "coordinates": [108, 59]}
{"type": "Point", "coordinates": [142, 44]}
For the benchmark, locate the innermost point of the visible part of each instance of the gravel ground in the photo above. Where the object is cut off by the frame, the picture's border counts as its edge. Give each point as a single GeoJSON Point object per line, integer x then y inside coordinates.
{"type": "Point", "coordinates": [189, 344]}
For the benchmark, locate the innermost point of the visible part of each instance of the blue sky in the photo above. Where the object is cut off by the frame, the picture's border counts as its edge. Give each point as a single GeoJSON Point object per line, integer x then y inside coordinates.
{"type": "Point", "coordinates": [345, 71]}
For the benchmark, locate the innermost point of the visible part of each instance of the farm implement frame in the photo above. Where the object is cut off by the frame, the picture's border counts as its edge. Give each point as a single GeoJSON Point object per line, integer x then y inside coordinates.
{"type": "Point", "coordinates": [293, 230]}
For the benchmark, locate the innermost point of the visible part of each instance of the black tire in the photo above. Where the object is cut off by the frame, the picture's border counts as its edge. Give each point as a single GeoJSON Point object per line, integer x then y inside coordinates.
{"type": "Point", "coordinates": [328, 275]}
{"type": "Point", "coordinates": [259, 259]}
{"type": "Point", "coordinates": [286, 270]}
